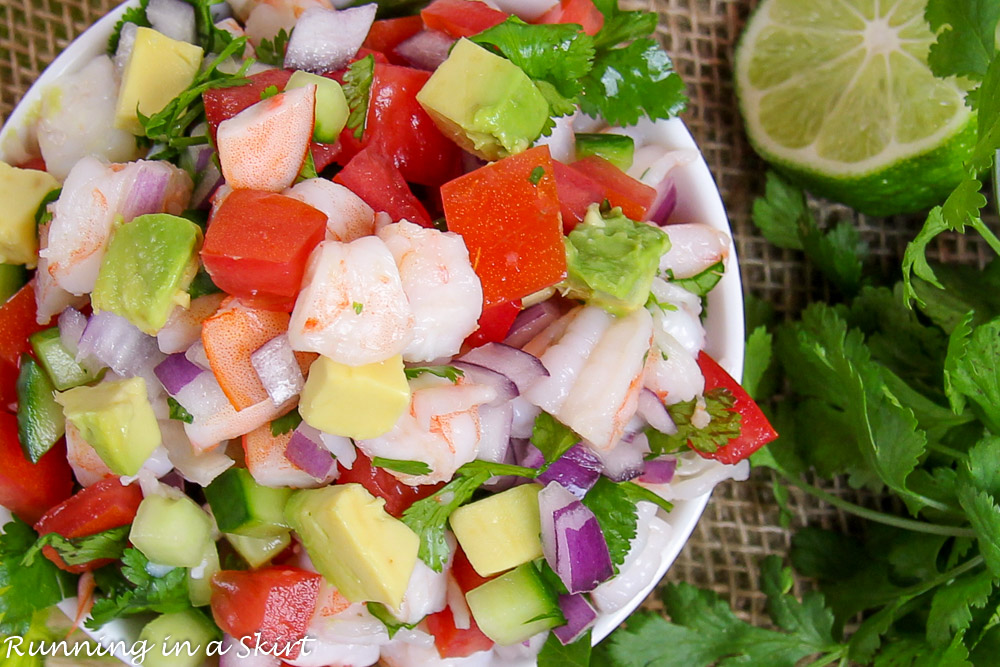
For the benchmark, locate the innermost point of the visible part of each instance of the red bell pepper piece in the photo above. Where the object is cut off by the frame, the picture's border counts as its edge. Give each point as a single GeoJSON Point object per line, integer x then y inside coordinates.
{"type": "Point", "coordinates": [508, 214]}
{"type": "Point", "coordinates": [580, 12]}
{"type": "Point", "coordinates": [30, 489]}
{"type": "Point", "coordinates": [452, 642]}
{"type": "Point", "coordinates": [755, 430]}
{"type": "Point", "coordinates": [620, 189]}
{"type": "Point", "coordinates": [381, 185]}
{"type": "Point", "coordinates": [494, 323]}
{"type": "Point", "coordinates": [99, 507]}
{"type": "Point", "coordinates": [381, 484]}
{"type": "Point", "coordinates": [461, 18]}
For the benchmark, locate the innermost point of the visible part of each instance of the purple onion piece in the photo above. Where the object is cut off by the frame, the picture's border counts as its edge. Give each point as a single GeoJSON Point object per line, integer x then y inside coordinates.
{"type": "Point", "coordinates": [579, 614]}
{"type": "Point", "coordinates": [526, 454]}
{"type": "Point", "coordinates": [148, 190]}
{"type": "Point", "coordinates": [626, 460]}
{"type": "Point", "coordinates": [572, 541]}
{"type": "Point", "coordinates": [522, 368]}
{"type": "Point", "coordinates": [667, 202]}
{"type": "Point", "coordinates": [308, 455]}
{"type": "Point", "coordinates": [117, 343]}
{"type": "Point", "coordinates": [530, 322]}
{"type": "Point", "coordinates": [578, 469]}
{"type": "Point", "coordinates": [659, 471]}
{"type": "Point", "coordinates": [326, 39]}
{"type": "Point", "coordinates": [652, 409]}
{"type": "Point", "coordinates": [176, 372]}
{"type": "Point", "coordinates": [278, 369]}
{"type": "Point", "coordinates": [425, 50]}
{"type": "Point", "coordinates": [476, 374]}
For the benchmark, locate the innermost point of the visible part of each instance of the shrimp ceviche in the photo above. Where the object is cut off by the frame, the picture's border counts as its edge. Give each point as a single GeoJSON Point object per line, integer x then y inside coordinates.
{"type": "Point", "coordinates": [336, 336]}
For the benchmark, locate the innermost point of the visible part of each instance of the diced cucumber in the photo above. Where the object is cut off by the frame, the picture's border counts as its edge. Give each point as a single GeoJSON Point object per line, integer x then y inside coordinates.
{"type": "Point", "coordinates": [514, 606]}
{"type": "Point", "coordinates": [258, 551]}
{"type": "Point", "coordinates": [617, 149]}
{"type": "Point", "coordinates": [12, 278]}
{"type": "Point", "coordinates": [243, 507]}
{"type": "Point", "coordinates": [179, 639]}
{"type": "Point", "coordinates": [61, 366]}
{"type": "Point", "coordinates": [171, 531]}
{"type": "Point", "coordinates": [200, 576]}
{"type": "Point", "coordinates": [331, 105]}
{"type": "Point", "coordinates": [40, 420]}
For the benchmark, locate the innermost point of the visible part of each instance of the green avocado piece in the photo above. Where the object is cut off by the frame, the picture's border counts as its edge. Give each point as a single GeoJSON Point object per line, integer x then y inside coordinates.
{"type": "Point", "coordinates": [611, 261]}
{"type": "Point", "coordinates": [484, 103]}
{"type": "Point", "coordinates": [147, 269]}
{"type": "Point", "coordinates": [116, 419]}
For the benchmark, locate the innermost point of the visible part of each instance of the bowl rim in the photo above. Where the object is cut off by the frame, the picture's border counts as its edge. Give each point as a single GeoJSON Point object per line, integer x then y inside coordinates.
{"type": "Point", "coordinates": [724, 323]}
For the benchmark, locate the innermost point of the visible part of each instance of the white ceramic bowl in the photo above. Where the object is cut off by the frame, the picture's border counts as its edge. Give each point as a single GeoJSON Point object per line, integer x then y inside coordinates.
{"type": "Point", "coordinates": [698, 200]}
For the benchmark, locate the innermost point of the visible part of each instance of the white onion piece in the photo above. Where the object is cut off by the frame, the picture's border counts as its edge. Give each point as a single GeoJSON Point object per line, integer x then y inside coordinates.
{"type": "Point", "coordinates": [173, 18]}
{"type": "Point", "coordinates": [183, 328]}
{"type": "Point", "coordinates": [342, 448]}
{"type": "Point", "coordinates": [116, 342]}
{"type": "Point", "coordinates": [71, 326]}
{"type": "Point", "coordinates": [325, 40]}
{"type": "Point", "coordinates": [476, 374]}
{"type": "Point", "coordinates": [425, 50]}
{"type": "Point", "coordinates": [198, 468]}
{"type": "Point", "coordinates": [460, 613]}
{"type": "Point", "coordinates": [523, 422]}
{"type": "Point", "coordinates": [651, 409]}
{"type": "Point", "coordinates": [529, 10]}
{"type": "Point", "coordinates": [278, 369]}
{"type": "Point", "coordinates": [579, 614]}
{"type": "Point", "coordinates": [308, 454]}
{"type": "Point", "coordinates": [530, 322]}
{"type": "Point", "coordinates": [196, 354]}
{"type": "Point", "coordinates": [696, 475]}
{"type": "Point", "coordinates": [126, 42]}
{"type": "Point", "coordinates": [572, 540]}
{"type": "Point", "coordinates": [522, 368]}
{"type": "Point", "coordinates": [494, 425]}
{"type": "Point", "coordinates": [625, 460]}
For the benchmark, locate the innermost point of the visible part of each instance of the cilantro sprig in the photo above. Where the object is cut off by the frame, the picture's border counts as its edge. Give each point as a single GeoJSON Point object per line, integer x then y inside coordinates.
{"type": "Point", "coordinates": [357, 90]}
{"type": "Point", "coordinates": [26, 588]}
{"type": "Point", "coordinates": [79, 550]}
{"type": "Point", "coordinates": [137, 591]}
{"type": "Point", "coordinates": [272, 51]}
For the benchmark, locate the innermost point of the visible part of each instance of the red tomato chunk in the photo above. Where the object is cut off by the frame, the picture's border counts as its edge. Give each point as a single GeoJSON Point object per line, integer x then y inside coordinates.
{"type": "Point", "coordinates": [450, 641]}
{"type": "Point", "coordinates": [381, 185]}
{"type": "Point", "coordinates": [620, 189]}
{"type": "Point", "coordinates": [580, 12]}
{"type": "Point", "coordinates": [461, 18]}
{"type": "Point", "coordinates": [30, 489]}
{"type": "Point", "coordinates": [381, 484]}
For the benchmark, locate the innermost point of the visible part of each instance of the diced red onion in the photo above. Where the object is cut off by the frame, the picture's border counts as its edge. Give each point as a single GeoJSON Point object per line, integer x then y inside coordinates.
{"type": "Point", "coordinates": [526, 454]}
{"type": "Point", "coordinates": [659, 471]}
{"type": "Point", "coordinates": [117, 343]}
{"type": "Point", "coordinates": [667, 202]}
{"type": "Point", "coordinates": [625, 460]}
{"type": "Point", "coordinates": [173, 18]}
{"type": "Point", "coordinates": [342, 448]}
{"type": "Point", "coordinates": [652, 409]}
{"type": "Point", "coordinates": [202, 396]}
{"type": "Point", "coordinates": [71, 325]}
{"type": "Point", "coordinates": [425, 50]}
{"type": "Point", "coordinates": [278, 369]}
{"type": "Point", "coordinates": [309, 455]}
{"type": "Point", "coordinates": [173, 478]}
{"type": "Point", "coordinates": [579, 614]}
{"type": "Point", "coordinates": [197, 355]}
{"type": "Point", "coordinates": [236, 654]}
{"type": "Point", "coordinates": [476, 374]}
{"type": "Point", "coordinates": [522, 368]}
{"type": "Point", "coordinates": [572, 541]}
{"type": "Point", "coordinates": [530, 322]}
{"type": "Point", "coordinates": [578, 469]}
{"type": "Point", "coordinates": [208, 181]}
{"type": "Point", "coordinates": [325, 40]}
{"type": "Point", "coordinates": [148, 189]}
{"type": "Point", "coordinates": [175, 372]}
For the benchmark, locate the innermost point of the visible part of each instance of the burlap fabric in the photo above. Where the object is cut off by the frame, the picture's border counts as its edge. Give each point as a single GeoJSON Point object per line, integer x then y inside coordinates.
{"type": "Point", "coordinates": [741, 523]}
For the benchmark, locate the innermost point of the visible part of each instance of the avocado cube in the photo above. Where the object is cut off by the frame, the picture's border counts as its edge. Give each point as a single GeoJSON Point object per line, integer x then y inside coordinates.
{"type": "Point", "coordinates": [354, 543]}
{"type": "Point", "coordinates": [178, 639]}
{"type": "Point", "coordinates": [158, 70]}
{"type": "Point", "coordinates": [21, 191]}
{"type": "Point", "coordinates": [116, 419]}
{"type": "Point", "coordinates": [149, 264]}
{"type": "Point", "coordinates": [171, 531]}
{"type": "Point", "coordinates": [501, 531]}
{"type": "Point", "coordinates": [355, 401]}
{"type": "Point", "coordinates": [484, 102]}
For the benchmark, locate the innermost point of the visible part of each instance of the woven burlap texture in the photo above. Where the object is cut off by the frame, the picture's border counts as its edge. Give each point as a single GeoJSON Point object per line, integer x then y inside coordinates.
{"type": "Point", "coordinates": [741, 524]}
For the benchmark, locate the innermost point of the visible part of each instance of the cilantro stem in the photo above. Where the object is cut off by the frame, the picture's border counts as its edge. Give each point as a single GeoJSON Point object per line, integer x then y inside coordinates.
{"type": "Point", "coordinates": [943, 578]}
{"type": "Point", "coordinates": [987, 234]}
{"type": "Point", "coordinates": [828, 658]}
{"type": "Point", "coordinates": [947, 451]}
{"type": "Point", "coordinates": [880, 517]}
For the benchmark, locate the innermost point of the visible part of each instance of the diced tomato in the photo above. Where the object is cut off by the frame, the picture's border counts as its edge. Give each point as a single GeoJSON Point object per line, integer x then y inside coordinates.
{"type": "Point", "coordinates": [452, 642]}
{"type": "Point", "coordinates": [576, 191]}
{"type": "Point", "coordinates": [96, 508]}
{"type": "Point", "coordinates": [380, 184]}
{"type": "Point", "coordinates": [386, 34]}
{"type": "Point", "coordinates": [494, 323]}
{"type": "Point", "coordinates": [17, 322]}
{"type": "Point", "coordinates": [461, 18]}
{"type": "Point", "coordinates": [620, 189]}
{"type": "Point", "coordinates": [400, 130]}
{"type": "Point", "coordinates": [508, 214]}
{"type": "Point", "coordinates": [380, 483]}
{"type": "Point", "coordinates": [755, 430]}
{"type": "Point", "coordinates": [30, 489]}
{"type": "Point", "coordinates": [257, 245]}
{"type": "Point", "coordinates": [465, 575]}
{"type": "Point", "coordinates": [276, 602]}
{"type": "Point", "coordinates": [224, 103]}
{"type": "Point", "coordinates": [580, 12]}
{"type": "Point", "coordinates": [8, 386]}
{"type": "Point", "coordinates": [37, 163]}
{"type": "Point", "coordinates": [325, 154]}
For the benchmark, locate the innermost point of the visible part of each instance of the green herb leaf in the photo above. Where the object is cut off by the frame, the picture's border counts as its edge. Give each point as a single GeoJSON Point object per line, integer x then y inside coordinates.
{"type": "Point", "coordinates": [136, 15]}
{"type": "Point", "coordinates": [286, 423]}
{"type": "Point", "coordinates": [391, 623]}
{"type": "Point", "coordinates": [79, 550]}
{"type": "Point", "coordinates": [178, 411]}
{"type": "Point", "coordinates": [448, 372]}
{"type": "Point", "coordinates": [551, 437]}
{"type": "Point", "coordinates": [268, 92]}
{"type": "Point", "coordinates": [211, 38]}
{"type": "Point", "coordinates": [43, 215]}
{"type": "Point", "coordinates": [615, 511]}
{"type": "Point", "coordinates": [704, 282]}
{"type": "Point", "coordinates": [26, 588]}
{"type": "Point", "coordinates": [405, 467]}
{"type": "Point", "coordinates": [272, 51]}
{"type": "Point", "coordinates": [357, 90]}
{"type": "Point", "coordinates": [975, 372]}
{"type": "Point", "coordinates": [965, 36]}
{"type": "Point", "coordinates": [358, 307]}
{"type": "Point", "coordinates": [620, 27]}
{"type": "Point", "coordinates": [781, 212]}
{"type": "Point", "coordinates": [757, 361]}
{"type": "Point", "coordinates": [951, 608]}
{"type": "Point", "coordinates": [723, 427]}
{"type": "Point", "coordinates": [554, 654]}
{"type": "Point", "coordinates": [202, 284]}
{"type": "Point", "coordinates": [635, 493]}
{"type": "Point", "coordinates": [308, 170]}
{"type": "Point", "coordinates": [145, 593]}
{"type": "Point", "coordinates": [536, 175]}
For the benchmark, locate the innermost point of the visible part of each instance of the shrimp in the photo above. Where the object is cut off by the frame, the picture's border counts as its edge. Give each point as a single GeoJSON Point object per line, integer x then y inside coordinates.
{"type": "Point", "coordinates": [198, 468]}
{"type": "Point", "coordinates": [77, 120]}
{"type": "Point", "coordinates": [50, 299]}
{"type": "Point", "coordinates": [348, 217]}
{"type": "Point", "coordinates": [441, 429]}
{"type": "Point", "coordinates": [267, 463]}
{"type": "Point", "coordinates": [340, 634]}
{"type": "Point", "coordinates": [183, 328]}
{"type": "Point", "coordinates": [694, 247]}
{"type": "Point", "coordinates": [682, 318]}
{"type": "Point", "coordinates": [672, 373]}
{"type": "Point", "coordinates": [416, 647]}
{"type": "Point", "coordinates": [595, 374]}
{"type": "Point", "coordinates": [444, 292]}
{"type": "Point", "coordinates": [263, 147]}
{"type": "Point", "coordinates": [352, 307]}
{"type": "Point", "coordinates": [88, 467]}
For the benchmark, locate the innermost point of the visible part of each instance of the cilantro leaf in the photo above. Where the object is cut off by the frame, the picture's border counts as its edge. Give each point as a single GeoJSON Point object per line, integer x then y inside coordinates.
{"type": "Point", "coordinates": [554, 654]}
{"type": "Point", "coordinates": [26, 588]}
{"type": "Point", "coordinates": [620, 27]}
{"type": "Point", "coordinates": [615, 512]}
{"type": "Point", "coordinates": [551, 437]}
{"type": "Point", "coordinates": [723, 427]}
{"type": "Point", "coordinates": [839, 254]}
{"type": "Point", "coordinates": [357, 90]}
{"type": "Point", "coordinates": [268, 92]}
{"type": "Point", "coordinates": [146, 593]}
{"type": "Point", "coordinates": [966, 44]}
{"type": "Point", "coordinates": [781, 212]}
{"type": "Point", "coordinates": [405, 467]}
{"type": "Point", "coordinates": [988, 118]}
{"type": "Point", "coordinates": [272, 51]}
{"type": "Point", "coordinates": [211, 38]}
{"type": "Point", "coordinates": [136, 15]}
{"type": "Point", "coordinates": [976, 372]}
{"type": "Point", "coordinates": [630, 81]}
{"type": "Point", "coordinates": [950, 610]}
{"type": "Point", "coordinates": [428, 517]}
{"type": "Point", "coordinates": [915, 256]}
{"type": "Point", "coordinates": [757, 361]}
{"type": "Point", "coordinates": [178, 411]}
{"type": "Point", "coordinates": [449, 373]}
{"type": "Point", "coordinates": [637, 493]}
{"type": "Point", "coordinates": [202, 284]}
{"type": "Point", "coordinates": [286, 423]}
{"type": "Point", "coordinates": [704, 282]}
{"type": "Point", "coordinates": [391, 623]}
{"type": "Point", "coordinates": [79, 550]}
{"type": "Point", "coordinates": [43, 215]}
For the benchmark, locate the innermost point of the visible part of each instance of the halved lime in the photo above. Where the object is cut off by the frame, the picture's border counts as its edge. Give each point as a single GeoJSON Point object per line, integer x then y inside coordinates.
{"type": "Point", "coordinates": [837, 95]}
